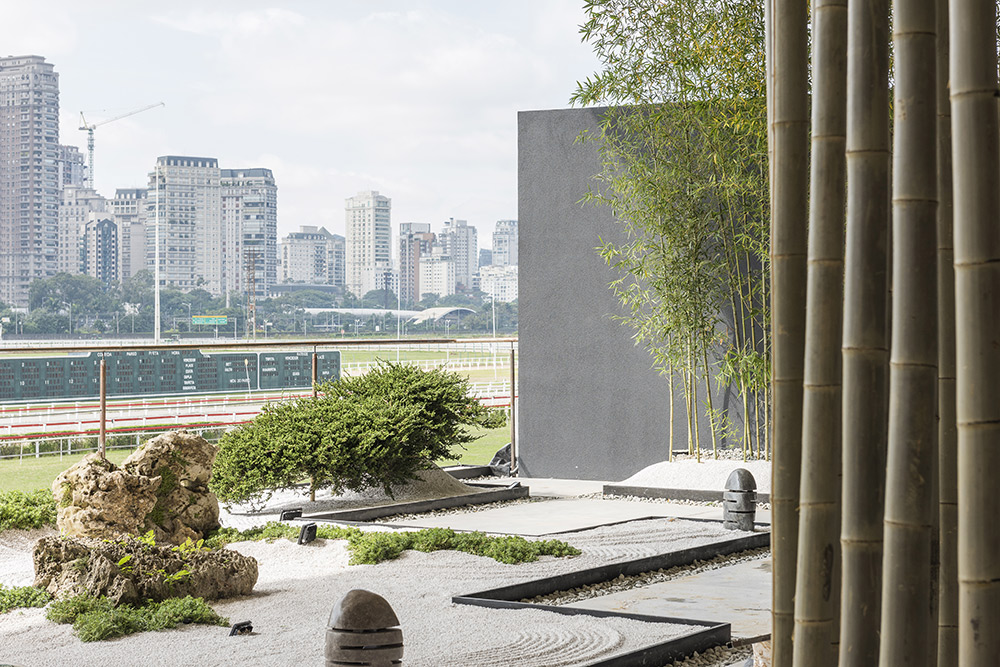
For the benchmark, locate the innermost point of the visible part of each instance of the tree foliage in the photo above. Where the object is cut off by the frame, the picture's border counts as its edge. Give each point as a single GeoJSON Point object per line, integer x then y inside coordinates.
{"type": "Point", "coordinates": [685, 171]}
{"type": "Point", "coordinates": [376, 430]}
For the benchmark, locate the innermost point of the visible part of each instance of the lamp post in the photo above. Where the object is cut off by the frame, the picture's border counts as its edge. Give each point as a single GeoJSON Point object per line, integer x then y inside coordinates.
{"type": "Point", "coordinates": [189, 316]}
{"type": "Point", "coordinates": [493, 345]}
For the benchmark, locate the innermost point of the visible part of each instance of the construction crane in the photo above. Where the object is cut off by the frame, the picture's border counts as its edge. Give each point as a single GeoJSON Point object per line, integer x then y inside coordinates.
{"type": "Point", "coordinates": [89, 128]}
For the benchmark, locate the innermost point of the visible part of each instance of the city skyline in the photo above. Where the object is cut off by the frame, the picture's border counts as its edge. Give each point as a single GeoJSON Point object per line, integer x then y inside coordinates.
{"type": "Point", "coordinates": [306, 91]}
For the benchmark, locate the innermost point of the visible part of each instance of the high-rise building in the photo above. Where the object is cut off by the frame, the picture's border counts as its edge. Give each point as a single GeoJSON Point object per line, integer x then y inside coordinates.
{"type": "Point", "coordinates": [459, 241]}
{"type": "Point", "coordinates": [485, 257]}
{"type": "Point", "coordinates": [505, 243]}
{"type": "Point", "coordinates": [187, 193]}
{"type": "Point", "coordinates": [437, 273]}
{"type": "Point", "coordinates": [368, 241]}
{"type": "Point", "coordinates": [499, 282]}
{"type": "Point", "coordinates": [312, 255]}
{"type": "Point", "coordinates": [72, 170]}
{"type": "Point", "coordinates": [250, 221]}
{"type": "Point", "coordinates": [77, 208]}
{"type": "Point", "coordinates": [100, 249]}
{"type": "Point", "coordinates": [128, 210]}
{"type": "Point", "coordinates": [29, 174]}
{"type": "Point", "coordinates": [415, 241]}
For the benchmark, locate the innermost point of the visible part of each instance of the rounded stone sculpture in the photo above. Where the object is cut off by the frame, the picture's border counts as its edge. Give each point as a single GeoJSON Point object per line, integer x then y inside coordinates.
{"type": "Point", "coordinates": [739, 501]}
{"type": "Point", "coordinates": [162, 486]}
{"type": "Point", "coordinates": [363, 630]}
{"type": "Point", "coordinates": [127, 570]}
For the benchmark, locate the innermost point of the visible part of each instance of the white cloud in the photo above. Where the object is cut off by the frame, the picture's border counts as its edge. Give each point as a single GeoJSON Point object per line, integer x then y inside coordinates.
{"type": "Point", "coordinates": [415, 98]}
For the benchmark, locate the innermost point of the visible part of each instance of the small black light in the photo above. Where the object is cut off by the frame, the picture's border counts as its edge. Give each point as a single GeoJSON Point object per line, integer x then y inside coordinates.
{"type": "Point", "coordinates": [307, 533]}
{"type": "Point", "coordinates": [288, 515]}
{"type": "Point", "coordinates": [241, 628]}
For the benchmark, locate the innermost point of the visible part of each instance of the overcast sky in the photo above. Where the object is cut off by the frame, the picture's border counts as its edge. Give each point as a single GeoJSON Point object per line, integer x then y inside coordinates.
{"type": "Point", "coordinates": [417, 99]}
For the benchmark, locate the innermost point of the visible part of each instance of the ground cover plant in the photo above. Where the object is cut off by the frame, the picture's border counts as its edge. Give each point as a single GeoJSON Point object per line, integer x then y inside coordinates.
{"type": "Point", "coordinates": [24, 511]}
{"type": "Point", "coordinates": [95, 619]}
{"type": "Point", "coordinates": [21, 597]}
{"type": "Point", "coordinates": [370, 548]}
{"type": "Point", "coordinates": [372, 431]}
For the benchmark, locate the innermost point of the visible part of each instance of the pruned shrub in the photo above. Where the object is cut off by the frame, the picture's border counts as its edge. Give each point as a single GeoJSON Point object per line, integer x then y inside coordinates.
{"type": "Point", "coordinates": [376, 430]}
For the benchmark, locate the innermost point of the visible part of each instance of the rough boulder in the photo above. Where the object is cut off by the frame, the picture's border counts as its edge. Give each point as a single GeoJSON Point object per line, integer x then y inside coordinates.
{"type": "Point", "coordinates": [184, 508]}
{"type": "Point", "coordinates": [162, 486]}
{"type": "Point", "coordinates": [96, 499]}
{"type": "Point", "coordinates": [130, 571]}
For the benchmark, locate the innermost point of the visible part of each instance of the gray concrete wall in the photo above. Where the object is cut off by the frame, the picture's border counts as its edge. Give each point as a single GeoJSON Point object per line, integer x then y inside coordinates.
{"type": "Point", "coordinates": [590, 407]}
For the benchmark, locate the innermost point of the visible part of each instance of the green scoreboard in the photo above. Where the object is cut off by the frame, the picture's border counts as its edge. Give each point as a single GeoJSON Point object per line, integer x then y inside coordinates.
{"type": "Point", "coordinates": [143, 372]}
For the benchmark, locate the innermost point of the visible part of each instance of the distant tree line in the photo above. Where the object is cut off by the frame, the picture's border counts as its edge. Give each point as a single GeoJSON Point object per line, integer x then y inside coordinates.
{"type": "Point", "coordinates": [83, 306]}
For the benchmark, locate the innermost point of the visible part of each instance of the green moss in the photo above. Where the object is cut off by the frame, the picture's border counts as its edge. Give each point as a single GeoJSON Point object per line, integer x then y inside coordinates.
{"type": "Point", "coordinates": [67, 494]}
{"type": "Point", "coordinates": [168, 482]}
{"type": "Point", "coordinates": [81, 564]}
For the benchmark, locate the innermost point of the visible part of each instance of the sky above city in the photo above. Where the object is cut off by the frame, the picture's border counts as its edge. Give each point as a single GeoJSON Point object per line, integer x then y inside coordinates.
{"type": "Point", "coordinates": [417, 99]}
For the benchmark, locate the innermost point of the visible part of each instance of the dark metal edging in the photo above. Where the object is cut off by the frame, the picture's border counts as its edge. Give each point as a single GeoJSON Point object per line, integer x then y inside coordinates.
{"type": "Point", "coordinates": [418, 506]}
{"type": "Point", "coordinates": [467, 471]}
{"type": "Point", "coordinates": [594, 575]}
{"type": "Point", "coordinates": [700, 495]}
{"type": "Point", "coordinates": [710, 635]}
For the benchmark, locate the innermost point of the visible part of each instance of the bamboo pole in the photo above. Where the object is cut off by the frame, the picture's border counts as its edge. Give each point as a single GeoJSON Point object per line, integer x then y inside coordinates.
{"type": "Point", "coordinates": [816, 598]}
{"type": "Point", "coordinates": [789, 190]}
{"type": "Point", "coordinates": [976, 173]}
{"type": "Point", "coordinates": [912, 454]}
{"type": "Point", "coordinates": [947, 621]}
{"type": "Point", "coordinates": [866, 335]}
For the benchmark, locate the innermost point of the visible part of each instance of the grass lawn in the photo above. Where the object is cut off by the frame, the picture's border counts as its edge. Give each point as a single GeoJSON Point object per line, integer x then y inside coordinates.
{"type": "Point", "coordinates": [481, 451]}
{"type": "Point", "coordinates": [30, 474]}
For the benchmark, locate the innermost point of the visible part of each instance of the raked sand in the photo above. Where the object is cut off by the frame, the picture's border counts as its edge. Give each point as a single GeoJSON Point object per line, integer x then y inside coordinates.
{"type": "Point", "coordinates": [298, 586]}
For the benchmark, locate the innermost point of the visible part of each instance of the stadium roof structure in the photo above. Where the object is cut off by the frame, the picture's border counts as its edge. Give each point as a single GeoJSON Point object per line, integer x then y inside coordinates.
{"type": "Point", "coordinates": [415, 316]}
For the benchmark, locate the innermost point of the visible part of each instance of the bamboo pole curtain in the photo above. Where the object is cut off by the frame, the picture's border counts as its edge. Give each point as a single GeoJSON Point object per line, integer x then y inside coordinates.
{"type": "Point", "coordinates": [885, 332]}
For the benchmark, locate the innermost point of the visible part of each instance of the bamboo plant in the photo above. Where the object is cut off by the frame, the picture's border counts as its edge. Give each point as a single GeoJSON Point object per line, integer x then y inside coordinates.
{"type": "Point", "coordinates": [976, 197]}
{"type": "Point", "coordinates": [912, 455]}
{"type": "Point", "coordinates": [817, 597]}
{"type": "Point", "coordinates": [789, 128]}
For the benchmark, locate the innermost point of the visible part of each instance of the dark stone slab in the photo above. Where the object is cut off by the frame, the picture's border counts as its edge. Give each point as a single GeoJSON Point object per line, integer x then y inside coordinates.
{"type": "Point", "coordinates": [491, 495]}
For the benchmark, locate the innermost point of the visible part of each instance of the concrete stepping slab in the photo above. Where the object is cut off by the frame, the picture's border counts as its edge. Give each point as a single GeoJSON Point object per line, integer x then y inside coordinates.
{"type": "Point", "coordinates": [562, 515]}
{"type": "Point", "coordinates": [738, 594]}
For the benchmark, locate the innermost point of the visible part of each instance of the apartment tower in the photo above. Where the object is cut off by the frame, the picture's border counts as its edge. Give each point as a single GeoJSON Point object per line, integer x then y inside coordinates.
{"type": "Point", "coordinates": [29, 174]}
{"type": "Point", "coordinates": [187, 193]}
{"type": "Point", "coordinates": [368, 241]}
{"type": "Point", "coordinates": [415, 241]}
{"type": "Point", "coordinates": [250, 223]}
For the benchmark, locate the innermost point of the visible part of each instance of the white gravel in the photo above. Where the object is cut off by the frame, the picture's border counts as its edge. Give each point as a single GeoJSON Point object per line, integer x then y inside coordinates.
{"type": "Point", "coordinates": [298, 586]}
{"type": "Point", "coordinates": [709, 474]}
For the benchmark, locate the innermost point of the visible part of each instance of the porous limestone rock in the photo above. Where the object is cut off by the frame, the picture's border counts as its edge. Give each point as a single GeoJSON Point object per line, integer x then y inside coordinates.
{"type": "Point", "coordinates": [130, 571]}
{"type": "Point", "coordinates": [162, 486]}
{"type": "Point", "coordinates": [184, 508]}
{"type": "Point", "coordinates": [97, 499]}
